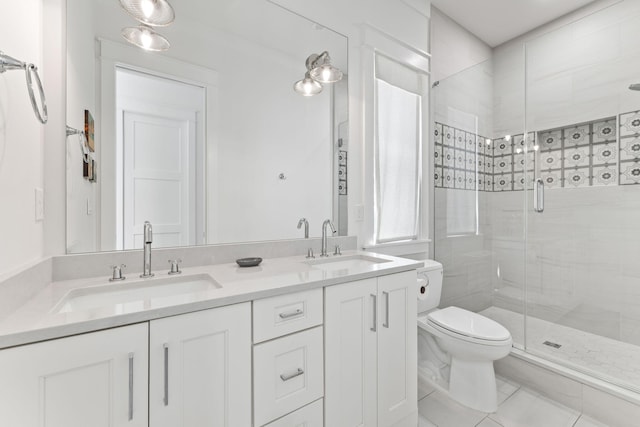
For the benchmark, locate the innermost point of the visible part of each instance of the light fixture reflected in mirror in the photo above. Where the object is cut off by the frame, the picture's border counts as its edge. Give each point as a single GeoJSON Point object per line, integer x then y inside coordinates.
{"type": "Point", "coordinates": [319, 70]}
{"type": "Point", "coordinates": [157, 13]}
{"type": "Point", "coordinates": [144, 37]}
{"type": "Point", "coordinates": [307, 86]}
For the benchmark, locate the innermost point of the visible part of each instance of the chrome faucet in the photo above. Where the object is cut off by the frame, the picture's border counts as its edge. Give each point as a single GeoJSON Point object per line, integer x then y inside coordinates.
{"type": "Point", "coordinates": [306, 227]}
{"type": "Point", "coordinates": [148, 239]}
{"type": "Point", "coordinates": [328, 222]}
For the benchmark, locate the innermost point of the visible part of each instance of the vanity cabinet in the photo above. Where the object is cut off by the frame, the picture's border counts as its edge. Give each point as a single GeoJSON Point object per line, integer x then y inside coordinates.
{"type": "Point", "coordinates": [97, 379]}
{"type": "Point", "coordinates": [371, 352]}
{"type": "Point", "coordinates": [190, 370]}
{"type": "Point", "coordinates": [200, 368]}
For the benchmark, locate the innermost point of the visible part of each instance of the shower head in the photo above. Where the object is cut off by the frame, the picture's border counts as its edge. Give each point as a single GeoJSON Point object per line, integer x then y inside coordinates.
{"type": "Point", "coordinates": [635, 86]}
{"type": "Point", "coordinates": [436, 83]}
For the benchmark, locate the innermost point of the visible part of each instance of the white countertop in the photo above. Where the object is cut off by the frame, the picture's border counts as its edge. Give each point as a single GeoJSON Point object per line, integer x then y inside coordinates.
{"type": "Point", "coordinates": [37, 320]}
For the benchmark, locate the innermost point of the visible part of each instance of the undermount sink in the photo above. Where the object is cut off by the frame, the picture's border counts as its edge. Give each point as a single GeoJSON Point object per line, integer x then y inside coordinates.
{"type": "Point", "coordinates": [139, 295]}
{"type": "Point", "coordinates": [346, 262]}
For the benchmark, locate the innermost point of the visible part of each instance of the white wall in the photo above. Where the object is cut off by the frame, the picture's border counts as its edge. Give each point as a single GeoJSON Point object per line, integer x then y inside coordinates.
{"type": "Point", "coordinates": [578, 69]}
{"type": "Point", "coordinates": [21, 136]}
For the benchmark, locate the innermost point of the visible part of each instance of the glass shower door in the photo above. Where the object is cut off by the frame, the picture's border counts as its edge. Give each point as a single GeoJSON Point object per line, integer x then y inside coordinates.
{"type": "Point", "coordinates": [582, 272]}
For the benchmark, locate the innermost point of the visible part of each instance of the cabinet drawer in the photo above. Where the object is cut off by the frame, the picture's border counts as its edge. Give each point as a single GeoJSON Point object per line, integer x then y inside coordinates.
{"type": "Point", "coordinates": [287, 374]}
{"type": "Point", "coordinates": [284, 314]}
{"type": "Point", "coordinates": [309, 416]}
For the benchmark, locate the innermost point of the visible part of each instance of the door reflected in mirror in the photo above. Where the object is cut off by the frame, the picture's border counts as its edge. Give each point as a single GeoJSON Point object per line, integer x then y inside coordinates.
{"type": "Point", "coordinates": [208, 141]}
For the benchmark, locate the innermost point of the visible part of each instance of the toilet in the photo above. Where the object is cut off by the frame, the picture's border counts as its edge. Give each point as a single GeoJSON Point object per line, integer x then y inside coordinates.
{"type": "Point", "coordinates": [456, 347]}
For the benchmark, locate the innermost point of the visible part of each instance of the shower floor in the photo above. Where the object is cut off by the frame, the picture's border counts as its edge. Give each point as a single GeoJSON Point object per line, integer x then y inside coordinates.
{"type": "Point", "coordinates": [613, 360]}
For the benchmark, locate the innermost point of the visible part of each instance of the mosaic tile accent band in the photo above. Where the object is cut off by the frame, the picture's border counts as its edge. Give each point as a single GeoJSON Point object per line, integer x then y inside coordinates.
{"type": "Point", "coordinates": [342, 173]}
{"type": "Point", "coordinates": [630, 148]}
{"type": "Point", "coordinates": [582, 155]}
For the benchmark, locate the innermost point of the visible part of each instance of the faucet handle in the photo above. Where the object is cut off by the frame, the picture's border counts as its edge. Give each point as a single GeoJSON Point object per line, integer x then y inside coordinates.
{"type": "Point", "coordinates": [310, 253]}
{"type": "Point", "coordinates": [117, 273]}
{"type": "Point", "coordinates": [175, 266]}
{"type": "Point", "coordinates": [337, 250]}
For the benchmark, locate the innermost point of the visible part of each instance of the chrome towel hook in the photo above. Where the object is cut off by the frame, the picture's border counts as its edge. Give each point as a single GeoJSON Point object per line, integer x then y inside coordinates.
{"type": "Point", "coordinates": [31, 71]}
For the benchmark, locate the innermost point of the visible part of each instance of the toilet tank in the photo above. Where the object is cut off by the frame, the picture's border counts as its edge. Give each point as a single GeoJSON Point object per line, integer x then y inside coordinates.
{"type": "Point", "coordinates": [429, 285]}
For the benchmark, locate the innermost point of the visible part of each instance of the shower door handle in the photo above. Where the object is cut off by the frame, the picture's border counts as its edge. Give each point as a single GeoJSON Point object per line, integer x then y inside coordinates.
{"type": "Point", "coordinates": [538, 195]}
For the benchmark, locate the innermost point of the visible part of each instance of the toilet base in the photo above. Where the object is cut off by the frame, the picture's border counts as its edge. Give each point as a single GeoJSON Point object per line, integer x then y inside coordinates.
{"type": "Point", "coordinates": [474, 384]}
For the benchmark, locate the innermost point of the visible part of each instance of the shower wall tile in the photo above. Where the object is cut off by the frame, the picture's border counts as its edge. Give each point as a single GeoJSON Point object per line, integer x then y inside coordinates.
{"type": "Point", "coordinates": [448, 178]}
{"type": "Point", "coordinates": [605, 154]}
{"type": "Point", "coordinates": [630, 124]}
{"type": "Point", "coordinates": [551, 140]}
{"type": "Point", "coordinates": [448, 157]}
{"type": "Point", "coordinates": [437, 177]}
{"type": "Point", "coordinates": [522, 178]}
{"type": "Point", "coordinates": [461, 139]}
{"type": "Point", "coordinates": [503, 182]}
{"type": "Point", "coordinates": [502, 147]}
{"type": "Point", "coordinates": [552, 178]}
{"type": "Point", "coordinates": [503, 164]}
{"type": "Point", "coordinates": [630, 173]}
{"type": "Point", "coordinates": [437, 133]}
{"type": "Point", "coordinates": [576, 135]}
{"type": "Point", "coordinates": [576, 157]}
{"type": "Point", "coordinates": [448, 137]}
{"type": "Point", "coordinates": [472, 159]}
{"type": "Point", "coordinates": [470, 142]}
{"type": "Point", "coordinates": [460, 179]}
{"type": "Point", "coordinates": [630, 149]}
{"type": "Point", "coordinates": [437, 155]}
{"type": "Point", "coordinates": [551, 160]}
{"type": "Point", "coordinates": [470, 181]}
{"type": "Point", "coordinates": [578, 177]}
{"type": "Point", "coordinates": [460, 159]}
{"type": "Point", "coordinates": [604, 131]}
{"type": "Point", "coordinates": [603, 175]}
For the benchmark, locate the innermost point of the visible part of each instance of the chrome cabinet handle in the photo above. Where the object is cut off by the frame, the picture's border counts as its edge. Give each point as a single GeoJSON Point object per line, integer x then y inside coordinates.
{"type": "Point", "coordinates": [291, 314]}
{"type": "Point", "coordinates": [386, 320]}
{"type": "Point", "coordinates": [130, 386]}
{"type": "Point", "coordinates": [166, 374]}
{"type": "Point", "coordinates": [375, 313]}
{"type": "Point", "coordinates": [538, 196]}
{"type": "Point", "coordinates": [297, 373]}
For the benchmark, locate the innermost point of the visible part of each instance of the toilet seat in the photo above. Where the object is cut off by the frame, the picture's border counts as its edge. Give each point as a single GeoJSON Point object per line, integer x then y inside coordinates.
{"type": "Point", "coordinates": [469, 326]}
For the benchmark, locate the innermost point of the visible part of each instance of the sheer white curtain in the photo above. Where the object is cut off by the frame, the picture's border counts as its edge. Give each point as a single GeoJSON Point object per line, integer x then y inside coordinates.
{"type": "Point", "coordinates": [398, 158]}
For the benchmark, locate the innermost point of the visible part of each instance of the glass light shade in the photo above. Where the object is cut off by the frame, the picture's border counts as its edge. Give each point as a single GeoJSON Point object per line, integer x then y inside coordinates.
{"type": "Point", "coordinates": [157, 13]}
{"type": "Point", "coordinates": [326, 73]}
{"type": "Point", "coordinates": [145, 38]}
{"type": "Point", "coordinates": [307, 86]}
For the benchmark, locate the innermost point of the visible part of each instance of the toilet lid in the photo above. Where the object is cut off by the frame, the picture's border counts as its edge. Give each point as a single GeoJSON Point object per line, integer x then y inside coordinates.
{"type": "Point", "coordinates": [469, 324]}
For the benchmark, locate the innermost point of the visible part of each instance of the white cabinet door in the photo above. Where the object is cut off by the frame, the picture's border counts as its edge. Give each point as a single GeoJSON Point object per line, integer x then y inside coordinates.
{"type": "Point", "coordinates": [397, 349]}
{"type": "Point", "coordinates": [97, 379]}
{"type": "Point", "coordinates": [350, 354]}
{"type": "Point", "coordinates": [200, 369]}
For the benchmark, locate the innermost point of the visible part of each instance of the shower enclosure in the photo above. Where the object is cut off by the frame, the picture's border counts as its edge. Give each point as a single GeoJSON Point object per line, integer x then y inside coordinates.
{"type": "Point", "coordinates": [558, 266]}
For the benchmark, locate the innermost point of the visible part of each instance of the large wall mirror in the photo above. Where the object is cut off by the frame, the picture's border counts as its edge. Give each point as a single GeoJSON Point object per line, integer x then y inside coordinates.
{"type": "Point", "coordinates": [207, 140]}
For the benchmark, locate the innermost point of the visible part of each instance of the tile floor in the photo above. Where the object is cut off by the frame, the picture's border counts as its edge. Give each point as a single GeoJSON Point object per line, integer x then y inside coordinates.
{"type": "Point", "coordinates": [616, 361]}
{"type": "Point", "coordinates": [517, 407]}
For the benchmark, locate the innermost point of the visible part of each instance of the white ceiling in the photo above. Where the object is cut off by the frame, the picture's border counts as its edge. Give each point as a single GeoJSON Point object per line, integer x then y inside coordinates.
{"type": "Point", "coordinates": [497, 21]}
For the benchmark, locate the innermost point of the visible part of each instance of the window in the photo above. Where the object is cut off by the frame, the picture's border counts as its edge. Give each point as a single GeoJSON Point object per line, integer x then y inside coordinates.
{"type": "Point", "coordinates": [398, 160]}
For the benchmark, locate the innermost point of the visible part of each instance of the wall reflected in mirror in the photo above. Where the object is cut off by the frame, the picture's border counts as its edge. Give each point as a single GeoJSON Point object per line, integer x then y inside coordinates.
{"type": "Point", "coordinates": [208, 140]}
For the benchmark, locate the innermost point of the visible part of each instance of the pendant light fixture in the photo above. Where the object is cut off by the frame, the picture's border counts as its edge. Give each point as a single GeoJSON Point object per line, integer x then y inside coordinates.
{"type": "Point", "coordinates": [319, 70]}
{"type": "Point", "coordinates": [144, 37]}
{"type": "Point", "coordinates": [307, 86]}
{"type": "Point", "coordinates": [157, 13]}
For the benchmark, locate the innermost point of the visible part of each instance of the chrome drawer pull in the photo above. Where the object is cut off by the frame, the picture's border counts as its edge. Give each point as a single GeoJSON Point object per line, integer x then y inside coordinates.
{"type": "Point", "coordinates": [130, 386]}
{"type": "Point", "coordinates": [386, 322]}
{"type": "Point", "coordinates": [166, 374]}
{"type": "Point", "coordinates": [284, 377]}
{"type": "Point", "coordinates": [291, 314]}
{"type": "Point", "coordinates": [375, 313]}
